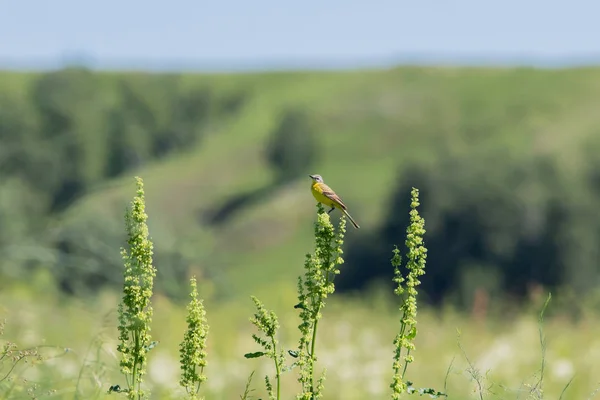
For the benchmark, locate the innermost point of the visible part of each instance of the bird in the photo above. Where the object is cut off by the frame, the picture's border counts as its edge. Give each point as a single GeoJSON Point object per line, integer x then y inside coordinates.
{"type": "Point", "coordinates": [324, 194]}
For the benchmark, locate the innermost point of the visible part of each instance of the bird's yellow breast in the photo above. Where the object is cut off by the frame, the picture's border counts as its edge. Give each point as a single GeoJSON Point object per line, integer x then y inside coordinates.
{"type": "Point", "coordinates": [317, 192]}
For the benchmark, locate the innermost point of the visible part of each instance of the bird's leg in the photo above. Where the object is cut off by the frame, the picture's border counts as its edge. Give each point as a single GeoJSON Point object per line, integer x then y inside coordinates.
{"type": "Point", "coordinates": [329, 212]}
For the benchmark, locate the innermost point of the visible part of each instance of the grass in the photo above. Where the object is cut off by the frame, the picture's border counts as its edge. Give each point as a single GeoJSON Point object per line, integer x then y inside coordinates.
{"type": "Point", "coordinates": [355, 347]}
{"type": "Point", "coordinates": [355, 343]}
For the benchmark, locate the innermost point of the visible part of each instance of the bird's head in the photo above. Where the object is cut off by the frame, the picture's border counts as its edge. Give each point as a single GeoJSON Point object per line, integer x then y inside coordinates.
{"type": "Point", "coordinates": [316, 178]}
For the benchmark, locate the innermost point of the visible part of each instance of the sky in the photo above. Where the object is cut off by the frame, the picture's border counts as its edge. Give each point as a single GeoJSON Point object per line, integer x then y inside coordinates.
{"type": "Point", "coordinates": [250, 34]}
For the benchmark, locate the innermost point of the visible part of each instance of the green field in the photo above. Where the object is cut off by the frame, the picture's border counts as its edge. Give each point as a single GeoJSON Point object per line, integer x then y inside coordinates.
{"type": "Point", "coordinates": [355, 346]}
{"type": "Point", "coordinates": [502, 150]}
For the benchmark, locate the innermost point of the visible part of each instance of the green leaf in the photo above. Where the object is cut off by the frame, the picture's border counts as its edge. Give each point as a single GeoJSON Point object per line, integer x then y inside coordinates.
{"type": "Point", "coordinates": [434, 394]}
{"type": "Point", "coordinates": [117, 389]}
{"type": "Point", "coordinates": [255, 354]}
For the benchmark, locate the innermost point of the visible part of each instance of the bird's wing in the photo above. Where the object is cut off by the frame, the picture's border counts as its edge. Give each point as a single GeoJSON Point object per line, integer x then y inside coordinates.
{"type": "Point", "coordinates": [330, 194]}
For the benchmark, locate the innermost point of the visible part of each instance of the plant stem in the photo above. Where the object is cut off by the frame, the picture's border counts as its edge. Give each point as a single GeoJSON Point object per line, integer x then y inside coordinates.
{"type": "Point", "coordinates": [402, 332]}
{"type": "Point", "coordinates": [199, 383]}
{"type": "Point", "coordinates": [405, 364]}
{"type": "Point", "coordinates": [277, 369]}
{"type": "Point", "coordinates": [312, 350]}
{"type": "Point", "coordinates": [135, 362]}
{"type": "Point", "coordinates": [314, 335]}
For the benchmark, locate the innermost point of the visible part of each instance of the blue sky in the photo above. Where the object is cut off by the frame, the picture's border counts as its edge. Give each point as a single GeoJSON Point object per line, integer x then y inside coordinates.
{"type": "Point", "coordinates": [258, 32]}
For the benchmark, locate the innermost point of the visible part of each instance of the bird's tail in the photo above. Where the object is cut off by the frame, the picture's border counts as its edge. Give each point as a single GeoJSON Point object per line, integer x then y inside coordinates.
{"type": "Point", "coordinates": [351, 219]}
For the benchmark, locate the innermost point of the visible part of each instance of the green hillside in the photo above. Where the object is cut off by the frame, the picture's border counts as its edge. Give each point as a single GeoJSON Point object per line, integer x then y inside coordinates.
{"type": "Point", "coordinates": [370, 128]}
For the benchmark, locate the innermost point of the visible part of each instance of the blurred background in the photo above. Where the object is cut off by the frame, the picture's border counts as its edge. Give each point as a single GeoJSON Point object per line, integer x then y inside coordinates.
{"type": "Point", "coordinates": [490, 109]}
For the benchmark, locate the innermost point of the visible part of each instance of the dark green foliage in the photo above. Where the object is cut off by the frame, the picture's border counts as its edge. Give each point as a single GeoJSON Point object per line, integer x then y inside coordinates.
{"type": "Point", "coordinates": [153, 119]}
{"type": "Point", "coordinates": [124, 151]}
{"type": "Point", "coordinates": [233, 103]}
{"type": "Point", "coordinates": [293, 148]}
{"type": "Point", "coordinates": [70, 114]}
{"type": "Point", "coordinates": [190, 114]}
{"type": "Point", "coordinates": [19, 209]}
{"type": "Point", "coordinates": [75, 128]}
{"type": "Point", "coordinates": [16, 136]}
{"type": "Point", "coordinates": [494, 223]}
{"type": "Point", "coordinates": [85, 261]}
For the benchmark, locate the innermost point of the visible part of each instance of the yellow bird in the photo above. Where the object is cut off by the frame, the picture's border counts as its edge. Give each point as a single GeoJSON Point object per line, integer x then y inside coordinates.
{"type": "Point", "coordinates": [324, 194]}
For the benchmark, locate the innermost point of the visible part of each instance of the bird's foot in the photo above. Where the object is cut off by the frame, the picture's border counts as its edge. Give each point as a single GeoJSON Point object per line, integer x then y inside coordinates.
{"type": "Point", "coordinates": [329, 212]}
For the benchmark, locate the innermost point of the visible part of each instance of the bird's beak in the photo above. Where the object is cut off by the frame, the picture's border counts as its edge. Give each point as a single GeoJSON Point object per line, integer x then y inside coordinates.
{"type": "Point", "coordinates": [312, 176]}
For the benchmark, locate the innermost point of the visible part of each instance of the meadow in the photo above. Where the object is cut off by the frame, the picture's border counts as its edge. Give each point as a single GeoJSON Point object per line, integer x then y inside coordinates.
{"type": "Point", "coordinates": [464, 356]}
{"type": "Point", "coordinates": [506, 161]}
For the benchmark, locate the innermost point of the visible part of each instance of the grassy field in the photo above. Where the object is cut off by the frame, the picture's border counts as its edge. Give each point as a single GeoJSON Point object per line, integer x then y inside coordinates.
{"type": "Point", "coordinates": [355, 346]}
{"type": "Point", "coordinates": [372, 125]}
